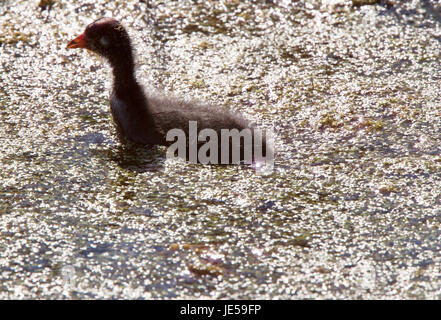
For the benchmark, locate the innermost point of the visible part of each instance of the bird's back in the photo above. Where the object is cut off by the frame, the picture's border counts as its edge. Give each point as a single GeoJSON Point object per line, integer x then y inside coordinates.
{"type": "Point", "coordinates": [169, 113]}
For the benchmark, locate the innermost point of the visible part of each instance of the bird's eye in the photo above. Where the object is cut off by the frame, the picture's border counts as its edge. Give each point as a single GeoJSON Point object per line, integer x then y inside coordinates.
{"type": "Point", "coordinates": [104, 41]}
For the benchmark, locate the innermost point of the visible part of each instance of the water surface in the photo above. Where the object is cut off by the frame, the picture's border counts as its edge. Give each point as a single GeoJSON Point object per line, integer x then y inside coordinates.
{"type": "Point", "coordinates": [352, 209]}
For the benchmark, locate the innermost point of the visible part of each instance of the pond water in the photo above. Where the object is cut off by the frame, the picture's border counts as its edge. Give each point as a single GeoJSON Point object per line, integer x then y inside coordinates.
{"type": "Point", "coordinates": [351, 210]}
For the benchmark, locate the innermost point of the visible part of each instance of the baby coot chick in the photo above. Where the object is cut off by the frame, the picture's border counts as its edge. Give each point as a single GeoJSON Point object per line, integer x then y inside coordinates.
{"type": "Point", "coordinates": [146, 119]}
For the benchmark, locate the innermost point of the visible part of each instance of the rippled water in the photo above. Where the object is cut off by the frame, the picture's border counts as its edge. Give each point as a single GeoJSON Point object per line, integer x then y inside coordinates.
{"type": "Point", "coordinates": [352, 209]}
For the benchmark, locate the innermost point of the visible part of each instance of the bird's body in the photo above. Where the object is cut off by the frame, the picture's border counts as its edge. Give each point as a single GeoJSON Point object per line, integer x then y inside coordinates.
{"type": "Point", "coordinates": [147, 118]}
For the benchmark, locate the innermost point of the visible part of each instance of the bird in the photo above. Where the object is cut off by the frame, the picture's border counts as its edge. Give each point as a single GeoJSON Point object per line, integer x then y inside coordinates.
{"type": "Point", "coordinates": [146, 118]}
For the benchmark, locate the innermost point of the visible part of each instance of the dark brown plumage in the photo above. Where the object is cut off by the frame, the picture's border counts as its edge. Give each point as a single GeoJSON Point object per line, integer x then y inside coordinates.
{"type": "Point", "coordinates": [140, 118]}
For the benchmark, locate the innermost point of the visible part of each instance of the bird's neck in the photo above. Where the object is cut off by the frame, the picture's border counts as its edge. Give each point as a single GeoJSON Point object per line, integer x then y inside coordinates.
{"type": "Point", "coordinates": [123, 74]}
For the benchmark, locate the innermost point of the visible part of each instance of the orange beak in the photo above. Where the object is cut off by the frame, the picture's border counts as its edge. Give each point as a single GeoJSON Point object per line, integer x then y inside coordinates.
{"type": "Point", "coordinates": [78, 42]}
